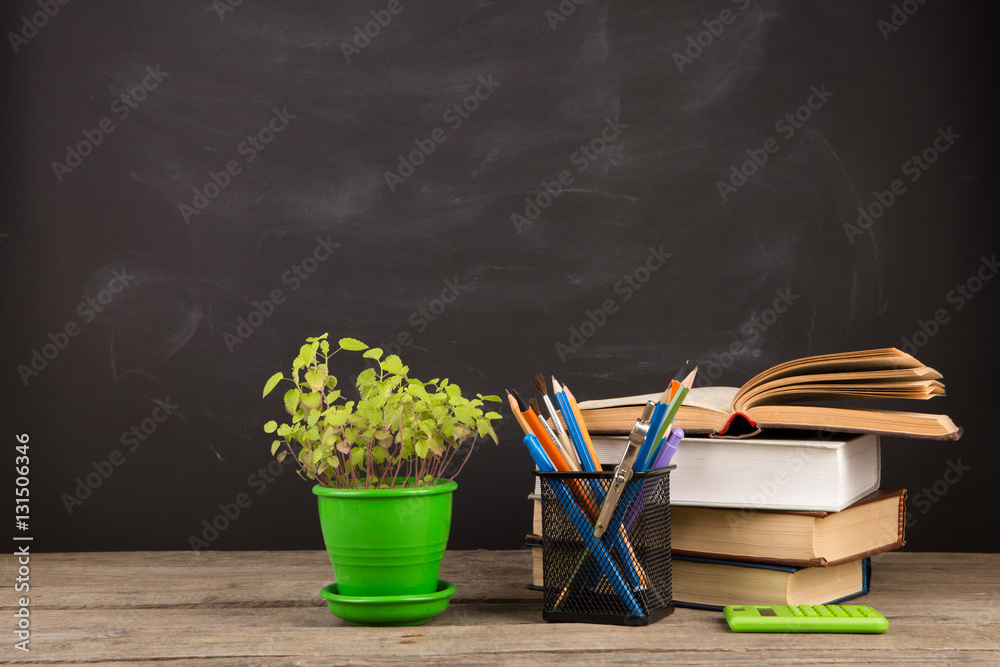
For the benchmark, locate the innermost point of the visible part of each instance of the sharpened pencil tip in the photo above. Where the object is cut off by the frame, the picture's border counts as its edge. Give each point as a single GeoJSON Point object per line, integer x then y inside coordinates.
{"type": "Point", "coordinates": [521, 405]}
{"type": "Point", "coordinates": [689, 380]}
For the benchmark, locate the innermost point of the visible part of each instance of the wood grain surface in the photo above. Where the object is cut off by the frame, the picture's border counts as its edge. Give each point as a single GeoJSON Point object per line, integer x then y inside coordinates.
{"type": "Point", "coordinates": [263, 608]}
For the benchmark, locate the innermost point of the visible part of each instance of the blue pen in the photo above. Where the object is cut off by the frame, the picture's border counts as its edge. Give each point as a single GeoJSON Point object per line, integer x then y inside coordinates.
{"type": "Point", "coordinates": [538, 454]}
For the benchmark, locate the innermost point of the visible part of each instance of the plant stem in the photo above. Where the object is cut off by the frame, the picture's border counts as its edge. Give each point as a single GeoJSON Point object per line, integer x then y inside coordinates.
{"type": "Point", "coordinates": [471, 447]}
{"type": "Point", "coordinates": [395, 474]}
{"type": "Point", "coordinates": [296, 458]}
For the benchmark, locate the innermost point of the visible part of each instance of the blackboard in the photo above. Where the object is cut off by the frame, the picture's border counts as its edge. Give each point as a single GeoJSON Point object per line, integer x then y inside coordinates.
{"type": "Point", "coordinates": [594, 190]}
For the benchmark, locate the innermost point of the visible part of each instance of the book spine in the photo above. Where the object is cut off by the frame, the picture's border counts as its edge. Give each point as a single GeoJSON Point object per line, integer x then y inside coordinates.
{"type": "Point", "coordinates": [902, 518]}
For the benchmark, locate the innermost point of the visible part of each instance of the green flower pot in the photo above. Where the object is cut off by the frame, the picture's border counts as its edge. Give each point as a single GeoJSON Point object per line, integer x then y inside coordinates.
{"type": "Point", "coordinates": [386, 541]}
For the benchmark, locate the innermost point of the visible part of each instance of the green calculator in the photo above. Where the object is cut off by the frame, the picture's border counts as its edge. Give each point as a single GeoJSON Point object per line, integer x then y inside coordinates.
{"type": "Point", "coordinates": [805, 618]}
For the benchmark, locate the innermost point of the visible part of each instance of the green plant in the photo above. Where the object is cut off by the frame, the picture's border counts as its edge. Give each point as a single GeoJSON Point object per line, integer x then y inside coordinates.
{"type": "Point", "coordinates": [400, 432]}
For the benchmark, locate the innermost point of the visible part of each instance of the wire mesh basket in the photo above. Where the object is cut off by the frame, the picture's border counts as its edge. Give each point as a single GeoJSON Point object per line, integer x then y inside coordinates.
{"type": "Point", "coordinates": [621, 578]}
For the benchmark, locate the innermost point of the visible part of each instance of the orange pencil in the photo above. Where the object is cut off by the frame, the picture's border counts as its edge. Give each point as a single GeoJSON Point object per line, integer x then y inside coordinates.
{"type": "Point", "coordinates": [517, 414]}
{"type": "Point", "coordinates": [536, 428]}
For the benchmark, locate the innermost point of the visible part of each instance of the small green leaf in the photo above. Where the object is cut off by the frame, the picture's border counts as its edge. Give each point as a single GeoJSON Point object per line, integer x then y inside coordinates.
{"type": "Point", "coordinates": [271, 426]}
{"type": "Point", "coordinates": [357, 456]}
{"type": "Point", "coordinates": [373, 353]}
{"type": "Point", "coordinates": [336, 419]}
{"type": "Point", "coordinates": [491, 397]}
{"type": "Point", "coordinates": [422, 447]}
{"type": "Point", "coordinates": [307, 353]}
{"type": "Point", "coordinates": [352, 344]}
{"type": "Point", "coordinates": [281, 456]}
{"type": "Point", "coordinates": [271, 382]}
{"type": "Point", "coordinates": [274, 446]}
{"type": "Point", "coordinates": [292, 400]}
{"type": "Point", "coordinates": [393, 365]}
{"type": "Point", "coordinates": [316, 377]}
{"type": "Point", "coordinates": [492, 415]}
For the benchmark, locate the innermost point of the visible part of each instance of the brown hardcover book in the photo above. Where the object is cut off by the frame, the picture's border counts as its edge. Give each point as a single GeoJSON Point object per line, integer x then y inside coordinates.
{"type": "Point", "coordinates": [714, 584]}
{"type": "Point", "coordinates": [874, 524]}
{"type": "Point", "coordinates": [772, 400]}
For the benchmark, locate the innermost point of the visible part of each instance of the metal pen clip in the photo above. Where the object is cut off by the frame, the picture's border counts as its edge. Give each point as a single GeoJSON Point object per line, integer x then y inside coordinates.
{"type": "Point", "coordinates": [623, 471]}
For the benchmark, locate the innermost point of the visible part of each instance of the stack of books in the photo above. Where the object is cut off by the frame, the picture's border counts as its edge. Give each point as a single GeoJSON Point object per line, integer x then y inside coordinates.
{"type": "Point", "coordinates": [774, 503]}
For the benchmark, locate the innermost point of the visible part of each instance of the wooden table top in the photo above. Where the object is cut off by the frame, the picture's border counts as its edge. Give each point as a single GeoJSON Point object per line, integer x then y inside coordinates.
{"type": "Point", "coordinates": [264, 608]}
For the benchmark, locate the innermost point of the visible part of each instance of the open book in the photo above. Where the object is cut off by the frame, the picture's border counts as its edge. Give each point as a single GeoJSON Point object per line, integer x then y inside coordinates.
{"type": "Point", "coordinates": [771, 400]}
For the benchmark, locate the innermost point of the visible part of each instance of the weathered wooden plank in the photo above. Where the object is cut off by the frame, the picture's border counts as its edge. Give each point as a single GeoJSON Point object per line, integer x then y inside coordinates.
{"type": "Point", "coordinates": [290, 578]}
{"type": "Point", "coordinates": [637, 659]}
{"type": "Point", "coordinates": [251, 579]}
{"type": "Point", "coordinates": [258, 608]}
{"type": "Point", "coordinates": [177, 634]}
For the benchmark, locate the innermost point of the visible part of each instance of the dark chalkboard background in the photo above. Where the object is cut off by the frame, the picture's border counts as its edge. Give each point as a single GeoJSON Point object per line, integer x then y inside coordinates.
{"type": "Point", "coordinates": [673, 129]}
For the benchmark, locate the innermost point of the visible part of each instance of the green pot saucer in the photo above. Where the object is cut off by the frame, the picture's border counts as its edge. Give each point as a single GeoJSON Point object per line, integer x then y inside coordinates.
{"type": "Point", "coordinates": [388, 610]}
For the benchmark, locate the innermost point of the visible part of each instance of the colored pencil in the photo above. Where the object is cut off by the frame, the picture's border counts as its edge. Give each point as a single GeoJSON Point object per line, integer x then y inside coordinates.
{"type": "Point", "coordinates": [567, 454]}
{"type": "Point", "coordinates": [516, 409]}
{"type": "Point", "coordinates": [675, 404]}
{"type": "Point", "coordinates": [583, 426]}
{"type": "Point", "coordinates": [576, 427]}
{"type": "Point", "coordinates": [564, 440]}
{"type": "Point", "coordinates": [536, 428]}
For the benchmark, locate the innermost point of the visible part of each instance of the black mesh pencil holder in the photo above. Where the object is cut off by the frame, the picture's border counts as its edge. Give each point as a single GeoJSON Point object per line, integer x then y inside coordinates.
{"type": "Point", "coordinates": [621, 578]}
